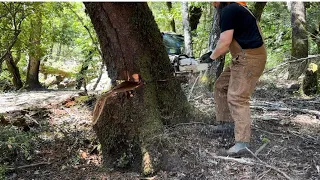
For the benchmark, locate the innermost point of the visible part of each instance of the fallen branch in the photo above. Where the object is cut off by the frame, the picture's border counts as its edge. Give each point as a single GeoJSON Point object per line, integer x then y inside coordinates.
{"type": "Point", "coordinates": [292, 61]}
{"type": "Point", "coordinates": [29, 165]}
{"type": "Point", "coordinates": [251, 163]}
{"type": "Point", "coordinates": [305, 111]}
{"type": "Point", "coordinates": [191, 123]}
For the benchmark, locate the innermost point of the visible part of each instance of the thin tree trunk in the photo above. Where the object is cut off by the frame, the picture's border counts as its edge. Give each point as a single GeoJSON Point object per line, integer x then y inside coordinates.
{"type": "Point", "coordinates": [131, 43]}
{"type": "Point", "coordinates": [14, 70]}
{"type": "Point", "coordinates": [81, 75]}
{"type": "Point", "coordinates": [316, 37]}
{"type": "Point", "coordinates": [213, 74]}
{"type": "Point", "coordinates": [299, 47]}
{"type": "Point", "coordinates": [99, 77]}
{"type": "Point", "coordinates": [258, 9]}
{"type": "Point", "coordinates": [172, 22]}
{"type": "Point", "coordinates": [32, 81]}
{"type": "Point", "coordinates": [186, 29]}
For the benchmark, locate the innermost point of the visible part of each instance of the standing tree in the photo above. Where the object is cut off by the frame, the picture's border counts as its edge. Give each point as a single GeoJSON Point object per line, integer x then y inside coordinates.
{"type": "Point", "coordinates": [14, 70]}
{"type": "Point", "coordinates": [299, 47]}
{"type": "Point", "coordinates": [213, 73]}
{"type": "Point", "coordinates": [258, 9]}
{"type": "Point", "coordinates": [172, 22]}
{"type": "Point", "coordinates": [126, 126]}
{"type": "Point", "coordinates": [35, 51]}
{"type": "Point", "coordinates": [186, 29]}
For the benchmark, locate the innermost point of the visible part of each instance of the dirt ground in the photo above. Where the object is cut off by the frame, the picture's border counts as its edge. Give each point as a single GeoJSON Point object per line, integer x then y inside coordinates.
{"type": "Point", "coordinates": [285, 139]}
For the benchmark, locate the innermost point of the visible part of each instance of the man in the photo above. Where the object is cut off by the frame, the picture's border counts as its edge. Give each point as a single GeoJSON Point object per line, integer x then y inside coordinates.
{"type": "Point", "coordinates": [241, 35]}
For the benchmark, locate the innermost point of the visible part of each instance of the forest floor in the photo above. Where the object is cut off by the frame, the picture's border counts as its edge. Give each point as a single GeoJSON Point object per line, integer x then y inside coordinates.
{"type": "Point", "coordinates": [48, 135]}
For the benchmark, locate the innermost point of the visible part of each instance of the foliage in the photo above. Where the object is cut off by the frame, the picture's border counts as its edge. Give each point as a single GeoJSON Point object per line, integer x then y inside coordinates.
{"type": "Point", "coordinates": [15, 144]}
{"type": "Point", "coordinates": [64, 41]}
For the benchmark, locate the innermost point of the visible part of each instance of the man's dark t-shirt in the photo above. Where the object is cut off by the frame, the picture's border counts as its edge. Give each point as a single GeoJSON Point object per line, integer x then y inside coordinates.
{"type": "Point", "coordinates": [246, 31]}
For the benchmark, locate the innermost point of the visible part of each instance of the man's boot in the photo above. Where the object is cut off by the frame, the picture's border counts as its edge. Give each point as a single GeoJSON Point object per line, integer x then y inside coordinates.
{"type": "Point", "coordinates": [240, 148]}
{"type": "Point", "coordinates": [224, 128]}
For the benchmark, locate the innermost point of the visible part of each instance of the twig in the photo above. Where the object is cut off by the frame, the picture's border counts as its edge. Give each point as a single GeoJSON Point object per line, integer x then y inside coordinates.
{"type": "Point", "coordinates": [243, 161]}
{"type": "Point", "coordinates": [30, 165]}
{"type": "Point", "coordinates": [254, 155]}
{"type": "Point", "coordinates": [277, 134]}
{"type": "Point", "coordinates": [264, 173]}
{"type": "Point", "coordinates": [190, 123]}
{"type": "Point", "coordinates": [261, 148]}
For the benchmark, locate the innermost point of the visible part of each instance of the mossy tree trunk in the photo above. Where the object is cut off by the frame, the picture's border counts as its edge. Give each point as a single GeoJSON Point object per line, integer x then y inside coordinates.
{"type": "Point", "coordinates": [131, 43]}
{"type": "Point", "coordinates": [299, 47]}
{"type": "Point", "coordinates": [83, 71]}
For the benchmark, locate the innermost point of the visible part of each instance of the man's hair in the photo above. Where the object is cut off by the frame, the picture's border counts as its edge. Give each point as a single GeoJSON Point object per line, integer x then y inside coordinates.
{"type": "Point", "coordinates": [223, 4]}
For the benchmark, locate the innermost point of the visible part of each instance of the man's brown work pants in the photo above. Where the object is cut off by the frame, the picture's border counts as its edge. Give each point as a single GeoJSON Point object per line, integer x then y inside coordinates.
{"type": "Point", "coordinates": [235, 85]}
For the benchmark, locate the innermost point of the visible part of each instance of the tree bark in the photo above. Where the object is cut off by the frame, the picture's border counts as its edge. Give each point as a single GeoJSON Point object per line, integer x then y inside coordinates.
{"type": "Point", "coordinates": [213, 74]}
{"type": "Point", "coordinates": [258, 9]}
{"type": "Point", "coordinates": [32, 81]}
{"type": "Point", "coordinates": [299, 47]}
{"type": "Point", "coordinates": [172, 22]}
{"type": "Point", "coordinates": [14, 70]}
{"type": "Point", "coordinates": [186, 29]}
{"type": "Point", "coordinates": [131, 43]}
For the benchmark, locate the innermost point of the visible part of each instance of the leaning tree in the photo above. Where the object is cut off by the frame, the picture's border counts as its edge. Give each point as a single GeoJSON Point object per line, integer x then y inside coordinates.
{"type": "Point", "coordinates": [126, 126]}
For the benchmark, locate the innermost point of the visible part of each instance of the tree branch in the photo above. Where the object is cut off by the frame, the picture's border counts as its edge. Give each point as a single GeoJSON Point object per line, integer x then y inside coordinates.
{"type": "Point", "coordinates": [88, 30]}
{"type": "Point", "coordinates": [251, 163]}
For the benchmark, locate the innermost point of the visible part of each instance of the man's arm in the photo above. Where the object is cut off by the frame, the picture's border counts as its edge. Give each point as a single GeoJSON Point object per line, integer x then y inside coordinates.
{"type": "Point", "coordinates": [223, 44]}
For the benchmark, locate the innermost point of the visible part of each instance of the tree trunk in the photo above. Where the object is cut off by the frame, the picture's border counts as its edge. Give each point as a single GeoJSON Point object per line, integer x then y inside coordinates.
{"type": "Point", "coordinates": [299, 47]}
{"type": "Point", "coordinates": [81, 75]}
{"type": "Point", "coordinates": [14, 70]}
{"type": "Point", "coordinates": [35, 53]}
{"type": "Point", "coordinates": [172, 22]}
{"type": "Point", "coordinates": [195, 15]}
{"type": "Point", "coordinates": [186, 29]}
{"type": "Point", "coordinates": [213, 74]}
{"type": "Point", "coordinates": [258, 9]}
{"type": "Point", "coordinates": [131, 43]}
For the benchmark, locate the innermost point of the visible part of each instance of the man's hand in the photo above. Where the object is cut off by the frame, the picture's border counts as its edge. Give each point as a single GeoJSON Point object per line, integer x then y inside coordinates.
{"type": "Point", "coordinates": [223, 44]}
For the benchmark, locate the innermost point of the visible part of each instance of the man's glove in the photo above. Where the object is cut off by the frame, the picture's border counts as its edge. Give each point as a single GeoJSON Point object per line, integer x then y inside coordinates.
{"type": "Point", "coordinates": [206, 58]}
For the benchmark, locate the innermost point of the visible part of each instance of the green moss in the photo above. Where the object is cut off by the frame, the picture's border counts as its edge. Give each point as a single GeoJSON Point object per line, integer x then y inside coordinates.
{"type": "Point", "coordinates": [81, 99]}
